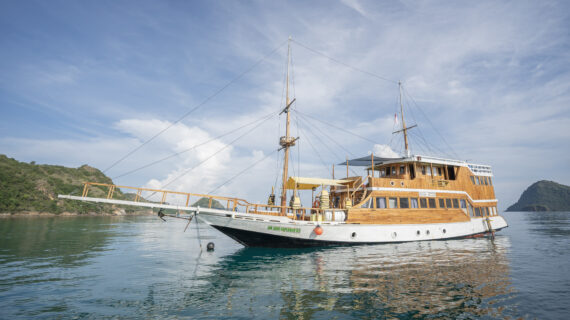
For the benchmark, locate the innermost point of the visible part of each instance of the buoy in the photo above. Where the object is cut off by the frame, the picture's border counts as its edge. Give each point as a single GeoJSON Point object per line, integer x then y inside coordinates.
{"type": "Point", "coordinates": [210, 246]}
{"type": "Point", "coordinates": [318, 230]}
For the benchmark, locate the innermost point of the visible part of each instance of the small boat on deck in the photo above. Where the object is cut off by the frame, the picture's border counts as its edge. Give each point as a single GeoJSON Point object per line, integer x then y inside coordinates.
{"type": "Point", "coordinates": [408, 198]}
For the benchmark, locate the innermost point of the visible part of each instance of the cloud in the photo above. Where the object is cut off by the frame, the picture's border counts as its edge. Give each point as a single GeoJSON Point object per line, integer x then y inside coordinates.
{"type": "Point", "coordinates": [479, 78]}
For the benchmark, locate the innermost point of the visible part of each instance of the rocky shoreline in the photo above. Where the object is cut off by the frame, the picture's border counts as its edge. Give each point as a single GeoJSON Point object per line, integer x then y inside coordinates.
{"type": "Point", "coordinates": [34, 214]}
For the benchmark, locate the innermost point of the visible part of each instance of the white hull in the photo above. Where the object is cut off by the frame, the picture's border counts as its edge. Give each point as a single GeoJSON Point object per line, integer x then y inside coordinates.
{"type": "Point", "coordinates": [272, 231]}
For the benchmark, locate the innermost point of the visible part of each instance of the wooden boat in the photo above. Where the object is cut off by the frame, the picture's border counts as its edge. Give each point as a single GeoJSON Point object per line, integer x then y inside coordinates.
{"type": "Point", "coordinates": [409, 198]}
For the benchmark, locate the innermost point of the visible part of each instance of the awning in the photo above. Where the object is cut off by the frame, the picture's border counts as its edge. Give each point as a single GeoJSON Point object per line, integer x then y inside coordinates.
{"type": "Point", "coordinates": [367, 161]}
{"type": "Point", "coordinates": [301, 183]}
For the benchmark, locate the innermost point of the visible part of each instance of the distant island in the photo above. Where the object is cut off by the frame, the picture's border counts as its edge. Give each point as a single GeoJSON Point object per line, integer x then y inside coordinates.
{"type": "Point", "coordinates": [32, 189]}
{"type": "Point", "coordinates": [544, 196]}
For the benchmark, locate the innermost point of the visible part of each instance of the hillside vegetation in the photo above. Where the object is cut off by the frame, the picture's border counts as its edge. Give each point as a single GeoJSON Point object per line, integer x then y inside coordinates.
{"type": "Point", "coordinates": [29, 187]}
{"type": "Point", "coordinates": [544, 196]}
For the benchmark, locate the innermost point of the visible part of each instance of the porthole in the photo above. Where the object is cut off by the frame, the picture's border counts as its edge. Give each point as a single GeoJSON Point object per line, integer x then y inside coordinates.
{"type": "Point", "coordinates": [353, 235]}
{"type": "Point", "coordinates": [444, 231]}
{"type": "Point", "coordinates": [392, 183]}
{"type": "Point", "coordinates": [394, 235]}
{"type": "Point", "coordinates": [418, 232]}
{"type": "Point", "coordinates": [402, 183]}
{"type": "Point", "coordinates": [427, 232]}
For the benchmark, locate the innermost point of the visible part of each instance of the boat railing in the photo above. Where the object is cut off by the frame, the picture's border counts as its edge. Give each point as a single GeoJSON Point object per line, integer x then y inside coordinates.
{"type": "Point", "coordinates": [231, 204]}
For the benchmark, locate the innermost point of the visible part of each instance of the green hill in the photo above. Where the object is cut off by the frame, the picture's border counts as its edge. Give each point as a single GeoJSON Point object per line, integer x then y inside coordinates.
{"type": "Point", "coordinates": [544, 196]}
{"type": "Point", "coordinates": [29, 187]}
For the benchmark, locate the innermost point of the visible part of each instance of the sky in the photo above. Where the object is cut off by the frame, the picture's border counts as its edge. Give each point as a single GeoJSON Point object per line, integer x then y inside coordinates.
{"type": "Point", "coordinates": [95, 82]}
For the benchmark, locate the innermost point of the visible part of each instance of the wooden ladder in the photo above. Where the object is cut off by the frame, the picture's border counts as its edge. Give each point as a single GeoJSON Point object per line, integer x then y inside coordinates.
{"type": "Point", "coordinates": [490, 228]}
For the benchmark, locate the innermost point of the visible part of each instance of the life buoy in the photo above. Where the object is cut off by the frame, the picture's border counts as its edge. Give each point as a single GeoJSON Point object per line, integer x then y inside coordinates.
{"type": "Point", "coordinates": [316, 203]}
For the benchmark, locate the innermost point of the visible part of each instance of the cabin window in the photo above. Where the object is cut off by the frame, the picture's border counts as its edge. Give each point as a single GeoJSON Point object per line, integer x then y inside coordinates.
{"type": "Point", "coordinates": [393, 171]}
{"type": "Point", "coordinates": [404, 204]}
{"type": "Point", "coordinates": [431, 202]}
{"type": "Point", "coordinates": [441, 203]}
{"type": "Point", "coordinates": [451, 172]}
{"type": "Point", "coordinates": [382, 172]}
{"type": "Point", "coordinates": [402, 170]}
{"type": "Point", "coordinates": [387, 171]}
{"type": "Point", "coordinates": [439, 171]}
{"type": "Point", "coordinates": [490, 183]}
{"type": "Point", "coordinates": [423, 202]}
{"type": "Point", "coordinates": [470, 210]}
{"type": "Point", "coordinates": [448, 203]}
{"type": "Point", "coordinates": [393, 203]}
{"type": "Point", "coordinates": [366, 204]}
{"type": "Point", "coordinates": [434, 171]}
{"type": "Point", "coordinates": [381, 203]}
{"type": "Point", "coordinates": [473, 179]}
{"type": "Point", "coordinates": [414, 202]}
{"type": "Point", "coordinates": [478, 212]}
{"type": "Point", "coordinates": [424, 170]}
{"type": "Point", "coordinates": [477, 180]}
{"type": "Point", "coordinates": [429, 171]}
{"type": "Point", "coordinates": [462, 202]}
{"type": "Point", "coordinates": [486, 211]}
{"type": "Point", "coordinates": [455, 203]}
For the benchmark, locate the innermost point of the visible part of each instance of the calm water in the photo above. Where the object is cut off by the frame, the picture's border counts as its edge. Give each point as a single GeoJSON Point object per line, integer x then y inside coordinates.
{"type": "Point", "coordinates": [140, 267]}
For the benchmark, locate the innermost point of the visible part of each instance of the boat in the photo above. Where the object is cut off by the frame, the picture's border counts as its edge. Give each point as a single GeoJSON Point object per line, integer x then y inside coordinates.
{"type": "Point", "coordinates": [400, 199]}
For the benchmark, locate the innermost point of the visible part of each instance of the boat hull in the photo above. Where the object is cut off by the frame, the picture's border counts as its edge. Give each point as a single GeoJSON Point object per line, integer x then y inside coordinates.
{"type": "Point", "coordinates": [270, 231]}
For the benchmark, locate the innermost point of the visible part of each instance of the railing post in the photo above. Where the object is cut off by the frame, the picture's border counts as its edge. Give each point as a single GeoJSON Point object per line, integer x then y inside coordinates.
{"type": "Point", "coordinates": [187, 199]}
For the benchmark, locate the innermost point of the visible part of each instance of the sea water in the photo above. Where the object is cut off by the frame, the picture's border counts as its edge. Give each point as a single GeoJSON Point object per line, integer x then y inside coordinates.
{"type": "Point", "coordinates": [142, 267]}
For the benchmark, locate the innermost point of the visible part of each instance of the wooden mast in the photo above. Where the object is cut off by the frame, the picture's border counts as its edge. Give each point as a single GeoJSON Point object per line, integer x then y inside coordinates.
{"type": "Point", "coordinates": [286, 141]}
{"type": "Point", "coordinates": [404, 129]}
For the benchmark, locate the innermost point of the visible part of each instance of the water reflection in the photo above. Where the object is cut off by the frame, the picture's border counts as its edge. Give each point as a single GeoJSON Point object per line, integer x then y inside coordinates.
{"type": "Point", "coordinates": [440, 278]}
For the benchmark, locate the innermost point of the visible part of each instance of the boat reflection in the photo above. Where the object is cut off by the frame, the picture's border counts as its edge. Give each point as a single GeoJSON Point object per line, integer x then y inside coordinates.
{"type": "Point", "coordinates": [460, 278]}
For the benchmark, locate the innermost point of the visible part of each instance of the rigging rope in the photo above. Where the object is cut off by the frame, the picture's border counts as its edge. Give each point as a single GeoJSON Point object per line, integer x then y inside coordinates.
{"type": "Point", "coordinates": [215, 153]}
{"type": "Point", "coordinates": [210, 97]}
{"type": "Point", "coordinates": [431, 124]}
{"type": "Point", "coordinates": [193, 147]}
{"type": "Point", "coordinates": [244, 170]}
{"type": "Point", "coordinates": [345, 64]}
{"type": "Point", "coordinates": [337, 127]}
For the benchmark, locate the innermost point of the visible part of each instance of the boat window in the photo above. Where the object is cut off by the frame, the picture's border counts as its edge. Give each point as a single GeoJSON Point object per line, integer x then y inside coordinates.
{"type": "Point", "coordinates": [434, 171]}
{"type": "Point", "coordinates": [439, 171]}
{"type": "Point", "coordinates": [414, 202]}
{"type": "Point", "coordinates": [470, 210]}
{"type": "Point", "coordinates": [393, 202]}
{"type": "Point", "coordinates": [486, 211]}
{"type": "Point", "coordinates": [477, 180]}
{"type": "Point", "coordinates": [424, 170]}
{"type": "Point", "coordinates": [473, 179]}
{"type": "Point", "coordinates": [448, 203]}
{"type": "Point", "coordinates": [380, 202]}
{"type": "Point", "coordinates": [393, 171]}
{"type": "Point", "coordinates": [412, 170]}
{"type": "Point", "coordinates": [402, 170]}
{"type": "Point", "coordinates": [455, 203]}
{"type": "Point", "coordinates": [478, 212]}
{"type": "Point", "coordinates": [382, 172]}
{"type": "Point", "coordinates": [462, 202]}
{"type": "Point", "coordinates": [429, 171]}
{"type": "Point", "coordinates": [441, 203]}
{"type": "Point", "coordinates": [366, 204]}
{"type": "Point", "coordinates": [431, 202]}
{"type": "Point", "coordinates": [423, 202]}
{"type": "Point", "coordinates": [490, 183]}
{"type": "Point", "coordinates": [404, 204]}
{"type": "Point", "coordinates": [387, 171]}
{"type": "Point", "coordinates": [451, 172]}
